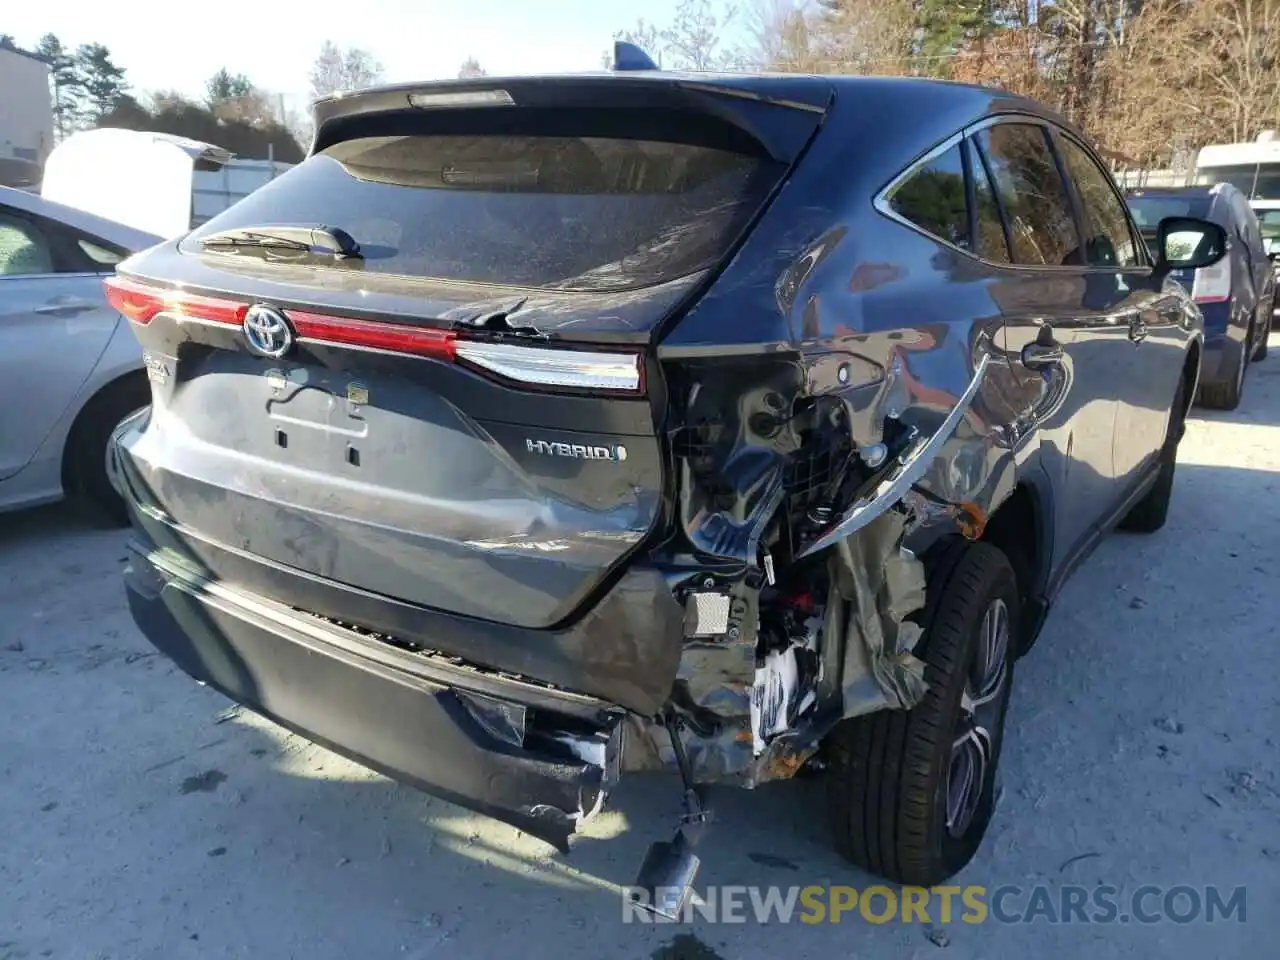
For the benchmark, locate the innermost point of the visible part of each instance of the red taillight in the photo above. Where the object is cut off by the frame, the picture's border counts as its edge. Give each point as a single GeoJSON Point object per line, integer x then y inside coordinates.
{"type": "Point", "coordinates": [545, 366]}
{"type": "Point", "coordinates": [1212, 284]}
{"type": "Point", "coordinates": [142, 303]}
{"type": "Point", "coordinates": [373, 335]}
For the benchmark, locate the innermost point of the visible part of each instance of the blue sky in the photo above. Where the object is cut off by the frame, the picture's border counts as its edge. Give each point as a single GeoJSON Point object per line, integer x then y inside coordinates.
{"type": "Point", "coordinates": [166, 45]}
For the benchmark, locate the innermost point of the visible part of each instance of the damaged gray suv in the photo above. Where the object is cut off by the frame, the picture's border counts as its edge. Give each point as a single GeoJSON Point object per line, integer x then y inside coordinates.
{"type": "Point", "coordinates": [537, 431]}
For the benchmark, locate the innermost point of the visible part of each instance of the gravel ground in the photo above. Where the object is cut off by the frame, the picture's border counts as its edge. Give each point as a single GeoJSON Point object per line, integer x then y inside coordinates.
{"type": "Point", "coordinates": [145, 819]}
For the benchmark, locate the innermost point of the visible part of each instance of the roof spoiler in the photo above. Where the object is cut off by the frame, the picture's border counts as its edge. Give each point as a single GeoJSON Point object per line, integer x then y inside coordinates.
{"type": "Point", "coordinates": [779, 114]}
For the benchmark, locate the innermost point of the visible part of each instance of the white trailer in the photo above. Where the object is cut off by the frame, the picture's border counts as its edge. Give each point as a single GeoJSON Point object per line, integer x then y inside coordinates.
{"type": "Point", "coordinates": [152, 181]}
{"type": "Point", "coordinates": [215, 190]}
{"type": "Point", "coordinates": [1252, 168]}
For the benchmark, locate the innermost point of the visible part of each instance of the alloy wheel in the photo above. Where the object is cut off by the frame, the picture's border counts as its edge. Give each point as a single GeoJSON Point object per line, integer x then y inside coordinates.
{"type": "Point", "coordinates": [975, 747]}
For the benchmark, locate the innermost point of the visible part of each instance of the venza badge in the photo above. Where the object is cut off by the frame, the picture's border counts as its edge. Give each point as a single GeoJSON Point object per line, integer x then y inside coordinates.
{"type": "Point", "coordinates": [267, 331]}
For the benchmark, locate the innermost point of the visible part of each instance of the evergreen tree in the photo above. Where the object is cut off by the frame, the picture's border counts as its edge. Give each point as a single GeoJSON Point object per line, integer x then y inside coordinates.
{"type": "Point", "coordinates": [945, 26]}
{"type": "Point", "coordinates": [65, 79]}
{"type": "Point", "coordinates": [102, 81]}
{"type": "Point", "coordinates": [224, 86]}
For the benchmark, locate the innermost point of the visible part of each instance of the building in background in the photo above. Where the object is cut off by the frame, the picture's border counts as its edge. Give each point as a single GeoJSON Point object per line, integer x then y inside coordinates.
{"type": "Point", "coordinates": [26, 116]}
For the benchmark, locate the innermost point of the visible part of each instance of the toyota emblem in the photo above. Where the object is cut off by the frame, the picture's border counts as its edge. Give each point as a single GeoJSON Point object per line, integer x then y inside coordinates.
{"type": "Point", "coordinates": [267, 331]}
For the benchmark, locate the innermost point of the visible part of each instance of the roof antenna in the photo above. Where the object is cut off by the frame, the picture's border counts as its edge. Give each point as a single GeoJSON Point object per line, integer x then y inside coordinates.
{"type": "Point", "coordinates": [629, 56]}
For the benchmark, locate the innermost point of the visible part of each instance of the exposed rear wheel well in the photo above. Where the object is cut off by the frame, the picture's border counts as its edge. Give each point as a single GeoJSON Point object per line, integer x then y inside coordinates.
{"type": "Point", "coordinates": [1016, 529]}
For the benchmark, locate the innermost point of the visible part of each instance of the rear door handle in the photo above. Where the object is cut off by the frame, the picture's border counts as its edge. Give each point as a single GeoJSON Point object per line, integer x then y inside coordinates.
{"type": "Point", "coordinates": [1043, 352]}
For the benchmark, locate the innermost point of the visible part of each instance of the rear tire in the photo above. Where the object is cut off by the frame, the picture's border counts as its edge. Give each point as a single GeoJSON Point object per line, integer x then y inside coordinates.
{"type": "Point", "coordinates": [1226, 396]}
{"type": "Point", "coordinates": [1261, 352]}
{"type": "Point", "coordinates": [86, 454]}
{"type": "Point", "coordinates": [1150, 513]}
{"type": "Point", "coordinates": [893, 776]}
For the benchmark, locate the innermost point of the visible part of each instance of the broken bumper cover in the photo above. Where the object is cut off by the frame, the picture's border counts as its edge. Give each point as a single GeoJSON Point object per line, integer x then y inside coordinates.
{"type": "Point", "coordinates": [411, 721]}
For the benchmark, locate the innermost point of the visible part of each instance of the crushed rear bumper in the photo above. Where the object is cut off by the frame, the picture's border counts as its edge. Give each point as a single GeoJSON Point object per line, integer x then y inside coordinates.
{"type": "Point", "coordinates": [623, 649]}
{"type": "Point", "coordinates": [539, 758]}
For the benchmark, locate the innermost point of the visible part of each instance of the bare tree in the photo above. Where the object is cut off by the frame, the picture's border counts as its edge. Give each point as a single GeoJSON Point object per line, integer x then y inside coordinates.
{"type": "Point", "coordinates": [782, 36]}
{"type": "Point", "coordinates": [300, 126]}
{"type": "Point", "coordinates": [1106, 64]}
{"type": "Point", "coordinates": [694, 37]}
{"type": "Point", "coordinates": [338, 70]}
{"type": "Point", "coordinates": [1140, 56]}
{"type": "Point", "coordinates": [1234, 49]}
{"type": "Point", "coordinates": [692, 41]}
{"type": "Point", "coordinates": [866, 36]}
{"type": "Point", "coordinates": [255, 108]}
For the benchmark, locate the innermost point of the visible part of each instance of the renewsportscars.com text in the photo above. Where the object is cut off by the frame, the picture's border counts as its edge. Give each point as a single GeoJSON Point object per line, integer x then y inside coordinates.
{"type": "Point", "coordinates": [1008, 904]}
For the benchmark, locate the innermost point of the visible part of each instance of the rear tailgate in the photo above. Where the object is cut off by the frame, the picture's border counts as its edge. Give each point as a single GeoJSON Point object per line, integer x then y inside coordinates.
{"type": "Point", "coordinates": [460, 418]}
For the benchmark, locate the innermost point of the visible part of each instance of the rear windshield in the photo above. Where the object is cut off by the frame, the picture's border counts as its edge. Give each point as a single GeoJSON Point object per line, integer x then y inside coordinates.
{"type": "Point", "coordinates": [1149, 211]}
{"type": "Point", "coordinates": [561, 213]}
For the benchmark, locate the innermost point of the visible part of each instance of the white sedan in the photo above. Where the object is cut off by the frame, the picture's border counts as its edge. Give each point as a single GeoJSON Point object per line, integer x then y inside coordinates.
{"type": "Point", "coordinates": [70, 367]}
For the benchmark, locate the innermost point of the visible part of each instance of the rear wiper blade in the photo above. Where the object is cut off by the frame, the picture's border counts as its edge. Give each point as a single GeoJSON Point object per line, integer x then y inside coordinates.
{"type": "Point", "coordinates": [316, 240]}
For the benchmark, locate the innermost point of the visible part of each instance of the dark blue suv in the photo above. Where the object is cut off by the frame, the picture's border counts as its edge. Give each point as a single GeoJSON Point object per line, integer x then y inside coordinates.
{"type": "Point", "coordinates": [536, 431]}
{"type": "Point", "coordinates": [1235, 295]}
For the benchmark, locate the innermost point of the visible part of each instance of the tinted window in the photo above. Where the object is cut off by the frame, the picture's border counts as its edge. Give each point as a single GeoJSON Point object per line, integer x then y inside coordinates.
{"type": "Point", "coordinates": [568, 213]}
{"type": "Point", "coordinates": [1031, 193]}
{"type": "Point", "coordinates": [24, 250]}
{"type": "Point", "coordinates": [933, 198]}
{"type": "Point", "coordinates": [1110, 241]}
{"type": "Point", "coordinates": [1149, 211]}
{"type": "Point", "coordinates": [989, 239]}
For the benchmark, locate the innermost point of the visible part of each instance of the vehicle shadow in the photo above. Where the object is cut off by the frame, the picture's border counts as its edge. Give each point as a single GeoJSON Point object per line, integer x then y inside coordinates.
{"type": "Point", "coordinates": [53, 522]}
{"type": "Point", "coordinates": [1261, 402]}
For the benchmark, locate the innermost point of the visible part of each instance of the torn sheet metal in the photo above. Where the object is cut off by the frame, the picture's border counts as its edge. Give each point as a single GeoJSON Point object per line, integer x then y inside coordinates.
{"type": "Point", "coordinates": [751, 719]}
{"type": "Point", "coordinates": [724, 757]}
{"type": "Point", "coordinates": [911, 468]}
{"type": "Point", "coordinates": [881, 583]}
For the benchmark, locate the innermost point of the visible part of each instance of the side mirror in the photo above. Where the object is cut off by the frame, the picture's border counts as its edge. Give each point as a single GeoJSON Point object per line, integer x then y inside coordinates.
{"type": "Point", "coordinates": [1188, 242]}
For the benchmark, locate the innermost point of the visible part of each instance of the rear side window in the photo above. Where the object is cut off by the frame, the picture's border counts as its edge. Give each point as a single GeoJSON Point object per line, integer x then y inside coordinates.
{"type": "Point", "coordinates": [933, 198]}
{"type": "Point", "coordinates": [1110, 240]}
{"type": "Point", "coordinates": [561, 213]}
{"type": "Point", "coordinates": [990, 242]}
{"type": "Point", "coordinates": [1042, 228]}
